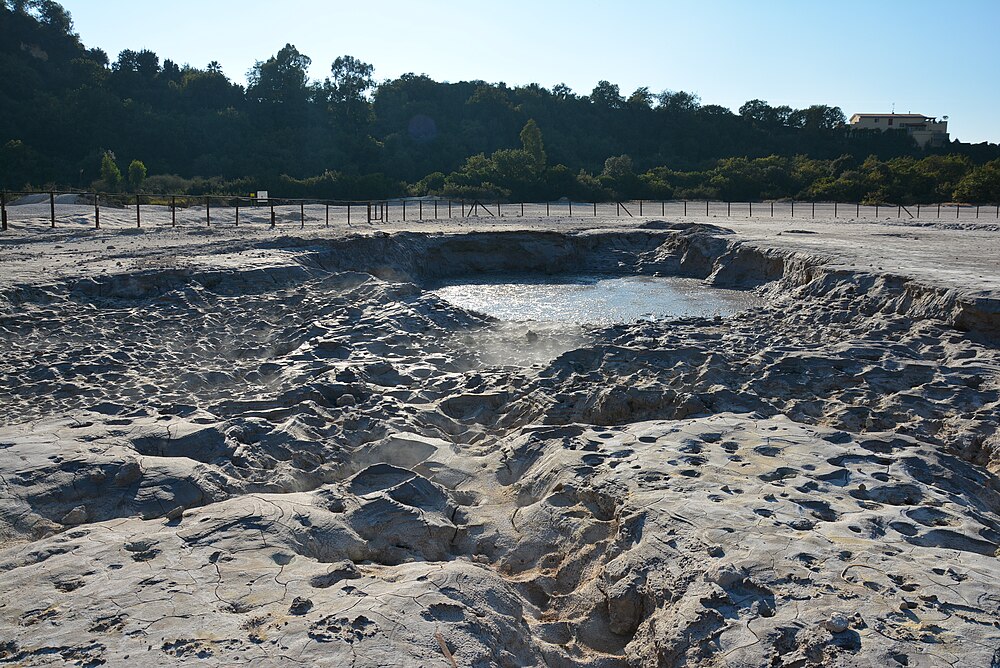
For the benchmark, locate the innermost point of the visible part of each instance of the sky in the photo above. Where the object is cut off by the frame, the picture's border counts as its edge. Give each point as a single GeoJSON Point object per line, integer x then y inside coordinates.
{"type": "Point", "coordinates": [934, 58]}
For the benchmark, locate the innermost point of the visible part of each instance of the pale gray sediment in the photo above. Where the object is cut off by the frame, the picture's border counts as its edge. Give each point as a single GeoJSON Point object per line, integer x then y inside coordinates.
{"type": "Point", "coordinates": [278, 451]}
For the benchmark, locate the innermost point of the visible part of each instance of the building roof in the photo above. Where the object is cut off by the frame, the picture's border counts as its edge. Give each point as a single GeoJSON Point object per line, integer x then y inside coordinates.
{"type": "Point", "coordinates": [897, 115]}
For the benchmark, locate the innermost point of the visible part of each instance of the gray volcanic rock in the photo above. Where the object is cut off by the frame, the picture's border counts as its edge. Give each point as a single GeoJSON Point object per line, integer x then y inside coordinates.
{"type": "Point", "coordinates": [299, 464]}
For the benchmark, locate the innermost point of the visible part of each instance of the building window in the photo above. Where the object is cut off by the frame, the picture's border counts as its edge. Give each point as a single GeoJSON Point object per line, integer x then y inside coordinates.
{"type": "Point", "coordinates": [876, 119]}
{"type": "Point", "coordinates": [890, 121]}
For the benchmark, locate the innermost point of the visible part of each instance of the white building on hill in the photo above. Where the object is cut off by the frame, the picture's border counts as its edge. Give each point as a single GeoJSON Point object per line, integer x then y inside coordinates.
{"type": "Point", "coordinates": [924, 129]}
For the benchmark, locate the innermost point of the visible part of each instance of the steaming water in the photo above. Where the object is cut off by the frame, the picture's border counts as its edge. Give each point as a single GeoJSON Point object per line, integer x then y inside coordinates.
{"type": "Point", "coordinates": [593, 299]}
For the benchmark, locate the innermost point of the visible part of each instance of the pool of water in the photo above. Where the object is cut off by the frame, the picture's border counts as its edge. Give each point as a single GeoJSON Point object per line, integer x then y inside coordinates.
{"type": "Point", "coordinates": [592, 299]}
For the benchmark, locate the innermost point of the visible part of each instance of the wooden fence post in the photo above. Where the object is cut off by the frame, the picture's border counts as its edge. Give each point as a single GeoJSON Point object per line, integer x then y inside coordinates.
{"type": "Point", "coordinates": [271, 202]}
{"type": "Point", "coordinates": [729, 209]}
{"type": "Point", "coordinates": [793, 208]}
{"type": "Point", "coordinates": [328, 215]}
{"type": "Point", "coordinates": [348, 214]}
{"type": "Point", "coordinates": [835, 209]}
{"type": "Point", "coordinates": [570, 208]}
{"type": "Point", "coordinates": [772, 209]}
{"type": "Point", "coordinates": [138, 220]}
{"type": "Point", "coordinates": [208, 211]}
{"type": "Point", "coordinates": [640, 207]}
{"type": "Point", "coordinates": [302, 215]}
{"type": "Point", "coordinates": [706, 208]}
{"type": "Point", "coordinates": [685, 207]}
{"type": "Point", "coordinates": [97, 211]}
{"type": "Point", "coordinates": [52, 207]}
{"type": "Point", "coordinates": [3, 210]}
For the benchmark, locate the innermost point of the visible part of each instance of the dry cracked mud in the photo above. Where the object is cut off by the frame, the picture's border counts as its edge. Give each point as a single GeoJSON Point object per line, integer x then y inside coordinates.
{"type": "Point", "coordinates": [289, 452]}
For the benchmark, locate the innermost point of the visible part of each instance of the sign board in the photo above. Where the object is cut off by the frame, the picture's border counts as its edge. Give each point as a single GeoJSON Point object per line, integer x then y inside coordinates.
{"type": "Point", "coordinates": [261, 196]}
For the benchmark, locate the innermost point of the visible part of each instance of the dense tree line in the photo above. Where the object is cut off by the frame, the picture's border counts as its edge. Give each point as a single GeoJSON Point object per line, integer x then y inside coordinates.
{"type": "Point", "coordinates": [73, 118]}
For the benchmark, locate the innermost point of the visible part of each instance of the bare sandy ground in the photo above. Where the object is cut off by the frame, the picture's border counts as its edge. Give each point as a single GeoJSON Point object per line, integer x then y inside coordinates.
{"type": "Point", "coordinates": [276, 447]}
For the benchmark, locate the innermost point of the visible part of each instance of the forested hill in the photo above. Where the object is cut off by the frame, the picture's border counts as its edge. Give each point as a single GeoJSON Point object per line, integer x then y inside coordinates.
{"type": "Point", "coordinates": [66, 109]}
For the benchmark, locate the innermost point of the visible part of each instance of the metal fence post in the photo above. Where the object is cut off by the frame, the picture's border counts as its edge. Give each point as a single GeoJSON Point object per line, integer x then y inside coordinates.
{"type": "Point", "coordinates": [52, 207]}
{"type": "Point", "coordinates": [97, 211]}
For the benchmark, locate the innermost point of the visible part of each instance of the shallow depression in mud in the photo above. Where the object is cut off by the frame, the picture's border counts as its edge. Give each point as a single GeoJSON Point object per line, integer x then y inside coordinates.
{"type": "Point", "coordinates": [592, 299]}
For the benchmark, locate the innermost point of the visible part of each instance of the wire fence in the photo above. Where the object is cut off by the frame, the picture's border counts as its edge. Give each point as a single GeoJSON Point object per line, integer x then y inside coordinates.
{"type": "Point", "coordinates": [51, 209]}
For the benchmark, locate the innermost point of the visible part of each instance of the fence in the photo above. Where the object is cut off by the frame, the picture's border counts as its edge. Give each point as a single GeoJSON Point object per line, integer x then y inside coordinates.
{"type": "Point", "coordinates": [97, 210]}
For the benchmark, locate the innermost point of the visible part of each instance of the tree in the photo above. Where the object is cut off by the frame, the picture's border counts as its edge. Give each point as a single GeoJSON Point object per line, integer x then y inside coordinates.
{"type": "Point", "coordinates": [136, 175]}
{"type": "Point", "coordinates": [351, 79]}
{"type": "Point", "coordinates": [282, 79]}
{"type": "Point", "coordinates": [345, 90]}
{"type": "Point", "coordinates": [562, 91]}
{"type": "Point", "coordinates": [678, 101]}
{"type": "Point", "coordinates": [531, 142]}
{"type": "Point", "coordinates": [641, 98]}
{"type": "Point", "coordinates": [110, 174]}
{"type": "Point", "coordinates": [607, 95]}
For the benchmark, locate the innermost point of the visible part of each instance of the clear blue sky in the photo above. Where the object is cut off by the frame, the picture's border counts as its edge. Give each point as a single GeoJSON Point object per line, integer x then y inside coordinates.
{"type": "Point", "coordinates": [936, 58]}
